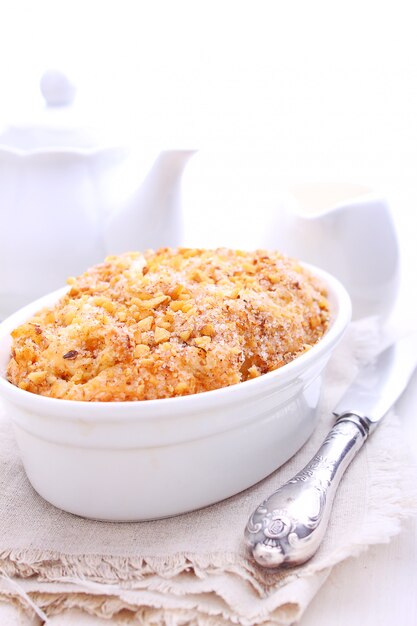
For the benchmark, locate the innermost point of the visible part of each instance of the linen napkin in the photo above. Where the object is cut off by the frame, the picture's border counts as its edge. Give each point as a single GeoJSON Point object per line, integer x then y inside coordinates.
{"type": "Point", "coordinates": [194, 569]}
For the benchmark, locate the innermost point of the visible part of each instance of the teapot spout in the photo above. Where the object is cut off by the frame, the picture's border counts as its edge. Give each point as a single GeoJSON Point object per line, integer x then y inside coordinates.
{"type": "Point", "coordinates": [151, 217]}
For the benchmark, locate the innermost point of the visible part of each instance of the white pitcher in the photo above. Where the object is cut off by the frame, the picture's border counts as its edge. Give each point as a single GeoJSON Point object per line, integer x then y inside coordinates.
{"type": "Point", "coordinates": [346, 229]}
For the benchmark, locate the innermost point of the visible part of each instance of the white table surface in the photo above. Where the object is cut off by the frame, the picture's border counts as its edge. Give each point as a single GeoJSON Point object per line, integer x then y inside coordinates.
{"type": "Point", "coordinates": [379, 587]}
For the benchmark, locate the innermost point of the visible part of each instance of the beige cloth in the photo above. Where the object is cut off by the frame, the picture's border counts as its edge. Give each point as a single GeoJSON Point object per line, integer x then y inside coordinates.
{"type": "Point", "coordinates": [193, 569]}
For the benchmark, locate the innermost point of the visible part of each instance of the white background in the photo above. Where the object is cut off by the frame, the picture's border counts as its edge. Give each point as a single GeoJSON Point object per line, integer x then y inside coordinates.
{"type": "Point", "coordinates": [329, 86]}
{"type": "Point", "coordinates": [271, 92]}
{"type": "Point", "coordinates": [300, 90]}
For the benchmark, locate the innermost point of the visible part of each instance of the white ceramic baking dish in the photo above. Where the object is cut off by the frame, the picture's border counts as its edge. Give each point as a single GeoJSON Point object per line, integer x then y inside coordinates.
{"type": "Point", "coordinates": [148, 459]}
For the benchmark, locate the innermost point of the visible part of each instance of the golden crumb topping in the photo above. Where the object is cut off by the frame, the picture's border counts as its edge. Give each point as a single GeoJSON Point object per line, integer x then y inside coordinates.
{"type": "Point", "coordinates": [170, 322]}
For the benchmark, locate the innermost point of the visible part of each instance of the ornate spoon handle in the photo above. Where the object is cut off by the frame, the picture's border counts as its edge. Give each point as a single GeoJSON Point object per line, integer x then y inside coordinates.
{"type": "Point", "coordinates": [288, 527]}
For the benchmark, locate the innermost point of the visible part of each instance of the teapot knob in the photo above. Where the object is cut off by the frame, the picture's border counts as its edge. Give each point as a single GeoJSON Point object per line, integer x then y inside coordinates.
{"type": "Point", "coordinates": [57, 88]}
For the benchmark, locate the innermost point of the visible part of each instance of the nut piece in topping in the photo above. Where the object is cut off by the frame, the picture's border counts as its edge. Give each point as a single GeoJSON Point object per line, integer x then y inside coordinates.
{"type": "Point", "coordinates": [71, 354]}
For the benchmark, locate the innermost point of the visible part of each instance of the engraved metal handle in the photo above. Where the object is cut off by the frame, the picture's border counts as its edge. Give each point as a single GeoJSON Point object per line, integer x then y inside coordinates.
{"type": "Point", "coordinates": [288, 527]}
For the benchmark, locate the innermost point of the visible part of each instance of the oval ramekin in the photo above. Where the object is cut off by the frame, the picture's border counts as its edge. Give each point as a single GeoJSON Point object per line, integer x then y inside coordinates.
{"type": "Point", "coordinates": [140, 460]}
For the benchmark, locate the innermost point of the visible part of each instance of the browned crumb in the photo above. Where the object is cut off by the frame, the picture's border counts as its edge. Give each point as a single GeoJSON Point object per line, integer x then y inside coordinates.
{"type": "Point", "coordinates": [170, 323]}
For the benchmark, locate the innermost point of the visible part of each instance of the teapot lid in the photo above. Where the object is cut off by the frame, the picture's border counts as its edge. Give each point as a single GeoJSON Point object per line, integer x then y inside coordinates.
{"type": "Point", "coordinates": [55, 126]}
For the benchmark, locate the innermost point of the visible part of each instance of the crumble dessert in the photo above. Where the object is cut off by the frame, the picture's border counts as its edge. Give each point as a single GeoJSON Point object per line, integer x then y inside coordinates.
{"type": "Point", "coordinates": [170, 322]}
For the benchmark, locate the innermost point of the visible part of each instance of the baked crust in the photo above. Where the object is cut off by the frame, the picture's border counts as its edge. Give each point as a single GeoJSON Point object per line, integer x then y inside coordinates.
{"type": "Point", "coordinates": [170, 322]}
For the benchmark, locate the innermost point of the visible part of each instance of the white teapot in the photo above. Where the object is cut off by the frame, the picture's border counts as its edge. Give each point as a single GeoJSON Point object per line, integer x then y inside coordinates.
{"type": "Point", "coordinates": [346, 229]}
{"type": "Point", "coordinates": [67, 199]}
